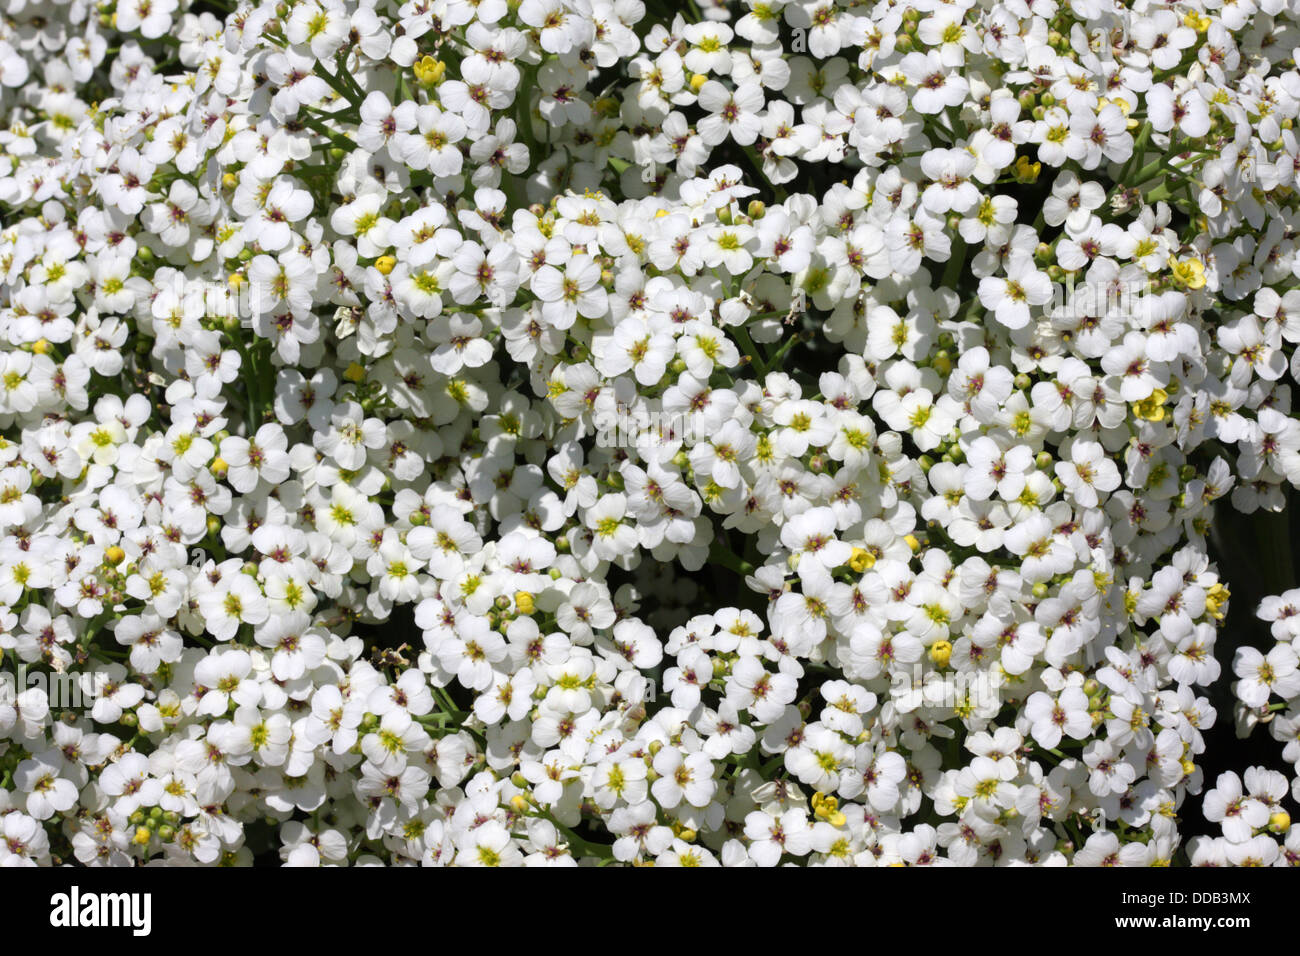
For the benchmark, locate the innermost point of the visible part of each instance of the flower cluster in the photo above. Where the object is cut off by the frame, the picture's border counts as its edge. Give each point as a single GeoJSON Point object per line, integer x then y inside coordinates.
{"type": "Point", "coordinates": [582, 431]}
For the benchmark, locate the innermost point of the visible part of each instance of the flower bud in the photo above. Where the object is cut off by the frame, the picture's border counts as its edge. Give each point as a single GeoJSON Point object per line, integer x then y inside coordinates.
{"type": "Point", "coordinates": [524, 603]}
{"type": "Point", "coordinates": [386, 264]}
{"type": "Point", "coordinates": [430, 71]}
{"type": "Point", "coordinates": [940, 653]}
{"type": "Point", "coordinates": [113, 555]}
{"type": "Point", "coordinates": [861, 560]}
{"type": "Point", "coordinates": [1026, 172]}
{"type": "Point", "coordinates": [1279, 821]}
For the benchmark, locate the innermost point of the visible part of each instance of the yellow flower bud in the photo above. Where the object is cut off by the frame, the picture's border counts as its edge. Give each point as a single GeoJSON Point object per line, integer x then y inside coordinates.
{"type": "Point", "coordinates": [518, 803]}
{"type": "Point", "coordinates": [913, 542]}
{"type": "Point", "coordinates": [1188, 273]}
{"type": "Point", "coordinates": [114, 555]}
{"type": "Point", "coordinates": [861, 560]}
{"type": "Point", "coordinates": [697, 82]}
{"type": "Point", "coordinates": [1152, 408]}
{"type": "Point", "coordinates": [524, 602]}
{"type": "Point", "coordinates": [355, 373]}
{"type": "Point", "coordinates": [42, 347]}
{"type": "Point", "coordinates": [1280, 821]}
{"type": "Point", "coordinates": [827, 808]}
{"type": "Point", "coordinates": [386, 264]}
{"type": "Point", "coordinates": [219, 467]}
{"type": "Point", "coordinates": [142, 836]}
{"type": "Point", "coordinates": [230, 180]}
{"type": "Point", "coordinates": [1026, 172]}
{"type": "Point", "coordinates": [429, 71]}
{"type": "Point", "coordinates": [683, 832]}
{"type": "Point", "coordinates": [1215, 599]}
{"type": "Point", "coordinates": [941, 653]}
{"type": "Point", "coordinates": [236, 281]}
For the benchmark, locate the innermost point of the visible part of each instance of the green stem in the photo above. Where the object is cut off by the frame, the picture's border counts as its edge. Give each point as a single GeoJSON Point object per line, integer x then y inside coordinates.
{"type": "Point", "coordinates": [719, 553]}
{"type": "Point", "coordinates": [957, 259]}
{"type": "Point", "coordinates": [742, 336]}
{"type": "Point", "coordinates": [1138, 147]}
{"type": "Point", "coordinates": [583, 847]}
{"type": "Point", "coordinates": [775, 360]}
